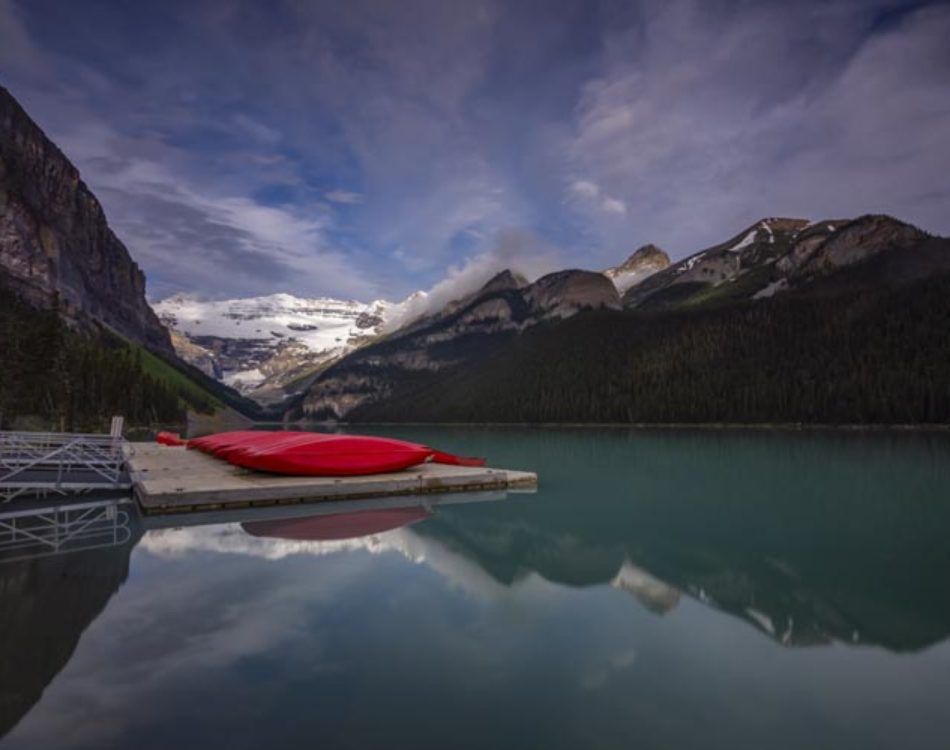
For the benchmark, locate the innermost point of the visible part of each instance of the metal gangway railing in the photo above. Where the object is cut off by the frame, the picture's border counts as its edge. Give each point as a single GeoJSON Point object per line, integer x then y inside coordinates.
{"type": "Point", "coordinates": [40, 463]}
{"type": "Point", "coordinates": [55, 530]}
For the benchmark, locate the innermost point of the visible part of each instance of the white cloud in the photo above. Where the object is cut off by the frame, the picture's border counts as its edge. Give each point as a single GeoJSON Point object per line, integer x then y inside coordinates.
{"type": "Point", "coordinates": [343, 196]}
{"type": "Point", "coordinates": [585, 189]}
{"type": "Point", "coordinates": [593, 195]}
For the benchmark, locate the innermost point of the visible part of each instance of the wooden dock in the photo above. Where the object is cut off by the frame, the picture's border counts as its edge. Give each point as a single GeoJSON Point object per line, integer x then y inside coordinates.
{"type": "Point", "coordinates": [177, 480]}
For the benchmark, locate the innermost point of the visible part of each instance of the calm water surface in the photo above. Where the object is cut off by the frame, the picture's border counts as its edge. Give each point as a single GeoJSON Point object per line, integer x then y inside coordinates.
{"type": "Point", "coordinates": [661, 589]}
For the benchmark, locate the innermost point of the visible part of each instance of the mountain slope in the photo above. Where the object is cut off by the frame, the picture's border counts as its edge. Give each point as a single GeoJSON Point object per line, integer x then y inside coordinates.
{"type": "Point", "coordinates": [463, 332]}
{"type": "Point", "coordinates": [776, 256]}
{"type": "Point", "coordinates": [698, 341]}
{"type": "Point", "coordinates": [873, 357]}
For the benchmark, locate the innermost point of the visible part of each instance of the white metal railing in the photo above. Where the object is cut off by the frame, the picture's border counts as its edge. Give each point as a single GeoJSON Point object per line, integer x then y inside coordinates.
{"type": "Point", "coordinates": [44, 462]}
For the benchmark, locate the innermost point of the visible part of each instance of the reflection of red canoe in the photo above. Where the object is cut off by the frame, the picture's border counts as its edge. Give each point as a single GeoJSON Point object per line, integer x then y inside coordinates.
{"type": "Point", "coordinates": [319, 454]}
{"type": "Point", "coordinates": [336, 526]}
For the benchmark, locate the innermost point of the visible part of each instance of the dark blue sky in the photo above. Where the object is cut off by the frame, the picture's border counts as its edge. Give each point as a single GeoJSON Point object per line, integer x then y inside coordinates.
{"type": "Point", "coordinates": [370, 148]}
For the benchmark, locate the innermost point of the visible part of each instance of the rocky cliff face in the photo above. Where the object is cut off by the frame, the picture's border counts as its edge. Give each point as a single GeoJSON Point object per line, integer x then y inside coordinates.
{"type": "Point", "coordinates": [55, 244]}
{"type": "Point", "coordinates": [567, 293]}
{"type": "Point", "coordinates": [832, 246]}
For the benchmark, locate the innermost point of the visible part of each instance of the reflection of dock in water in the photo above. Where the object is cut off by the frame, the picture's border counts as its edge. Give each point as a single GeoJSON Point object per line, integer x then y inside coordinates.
{"type": "Point", "coordinates": [36, 530]}
{"type": "Point", "coordinates": [59, 567]}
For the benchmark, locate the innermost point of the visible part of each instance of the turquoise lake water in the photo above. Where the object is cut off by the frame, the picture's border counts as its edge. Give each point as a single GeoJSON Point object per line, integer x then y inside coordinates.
{"type": "Point", "coordinates": [668, 589]}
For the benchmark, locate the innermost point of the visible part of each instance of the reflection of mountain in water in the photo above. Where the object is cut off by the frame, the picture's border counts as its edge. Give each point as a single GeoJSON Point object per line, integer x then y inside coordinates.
{"type": "Point", "coordinates": [45, 605]}
{"type": "Point", "coordinates": [864, 566]}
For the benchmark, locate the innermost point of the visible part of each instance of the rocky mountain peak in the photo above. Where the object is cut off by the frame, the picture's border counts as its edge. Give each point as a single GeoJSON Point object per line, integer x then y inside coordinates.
{"type": "Point", "coordinates": [503, 281]}
{"type": "Point", "coordinates": [643, 255]}
{"type": "Point", "coordinates": [642, 263]}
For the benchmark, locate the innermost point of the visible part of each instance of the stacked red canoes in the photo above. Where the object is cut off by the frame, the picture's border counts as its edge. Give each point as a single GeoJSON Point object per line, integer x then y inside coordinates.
{"type": "Point", "coordinates": [317, 454]}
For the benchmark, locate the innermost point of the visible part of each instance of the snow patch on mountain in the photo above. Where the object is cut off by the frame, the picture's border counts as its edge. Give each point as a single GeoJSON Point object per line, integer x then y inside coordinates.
{"type": "Point", "coordinates": [263, 342]}
{"type": "Point", "coordinates": [321, 323]}
{"type": "Point", "coordinates": [745, 241]}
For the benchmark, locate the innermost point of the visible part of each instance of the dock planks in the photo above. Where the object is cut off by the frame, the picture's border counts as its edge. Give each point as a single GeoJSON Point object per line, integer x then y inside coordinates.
{"type": "Point", "coordinates": [175, 480]}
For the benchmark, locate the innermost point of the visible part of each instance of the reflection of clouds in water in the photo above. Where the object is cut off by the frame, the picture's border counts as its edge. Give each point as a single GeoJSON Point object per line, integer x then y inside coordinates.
{"type": "Point", "coordinates": [458, 571]}
{"type": "Point", "coordinates": [232, 539]}
{"type": "Point", "coordinates": [203, 603]}
{"type": "Point", "coordinates": [170, 631]}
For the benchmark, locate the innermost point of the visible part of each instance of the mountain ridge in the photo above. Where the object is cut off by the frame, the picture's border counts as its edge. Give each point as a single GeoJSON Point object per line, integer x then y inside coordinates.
{"type": "Point", "coordinates": [872, 252]}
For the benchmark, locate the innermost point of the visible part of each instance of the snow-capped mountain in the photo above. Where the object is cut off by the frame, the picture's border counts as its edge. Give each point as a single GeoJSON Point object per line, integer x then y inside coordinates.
{"type": "Point", "coordinates": [261, 345]}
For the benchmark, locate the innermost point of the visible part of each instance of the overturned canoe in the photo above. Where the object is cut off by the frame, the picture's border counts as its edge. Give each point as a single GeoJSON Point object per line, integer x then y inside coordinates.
{"type": "Point", "coordinates": [320, 454]}
{"type": "Point", "coordinates": [335, 455]}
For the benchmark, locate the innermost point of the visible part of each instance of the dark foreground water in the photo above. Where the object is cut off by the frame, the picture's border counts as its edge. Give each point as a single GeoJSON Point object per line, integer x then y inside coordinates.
{"type": "Point", "coordinates": [665, 589]}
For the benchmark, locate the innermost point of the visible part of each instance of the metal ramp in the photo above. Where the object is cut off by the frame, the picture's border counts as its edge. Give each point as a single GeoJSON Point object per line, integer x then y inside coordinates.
{"type": "Point", "coordinates": [43, 463]}
{"type": "Point", "coordinates": [43, 531]}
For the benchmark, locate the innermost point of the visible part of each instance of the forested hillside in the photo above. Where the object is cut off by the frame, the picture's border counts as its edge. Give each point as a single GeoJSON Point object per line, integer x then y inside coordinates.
{"type": "Point", "coordinates": [869, 356]}
{"type": "Point", "coordinates": [76, 379]}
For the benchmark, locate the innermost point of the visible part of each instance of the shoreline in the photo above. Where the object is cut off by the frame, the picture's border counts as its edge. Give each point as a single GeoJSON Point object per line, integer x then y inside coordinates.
{"type": "Point", "coordinates": [749, 426]}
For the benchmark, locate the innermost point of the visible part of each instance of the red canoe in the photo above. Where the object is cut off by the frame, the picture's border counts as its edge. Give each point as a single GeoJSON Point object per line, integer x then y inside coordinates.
{"type": "Point", "coordinates": [233, 450]}
{"type": "Point", "coordinates": [335, 455]}
{"type": "Point", "coordinates": [319, 454]}
{"type": "Point", "coordinates": [209, 443]}
{"type": "Point", "coordinates": [337, 525]}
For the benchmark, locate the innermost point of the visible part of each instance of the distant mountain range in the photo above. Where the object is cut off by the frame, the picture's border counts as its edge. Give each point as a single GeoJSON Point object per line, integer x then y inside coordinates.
{"type": "Point", "coordinates": [269, 346]}
{"type": "Point", "coordinates": [710, 338]}
{"type": "Point", "coordinates": [839, 320]}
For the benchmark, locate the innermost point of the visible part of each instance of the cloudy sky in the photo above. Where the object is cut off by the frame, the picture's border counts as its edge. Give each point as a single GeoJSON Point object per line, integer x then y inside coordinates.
{"type": "Point", "coordinates": [370, 148]}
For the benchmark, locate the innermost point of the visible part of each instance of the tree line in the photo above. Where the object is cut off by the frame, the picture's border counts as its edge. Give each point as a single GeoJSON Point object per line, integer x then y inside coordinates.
{"type": "Point", "coordinates": [75, 380]}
